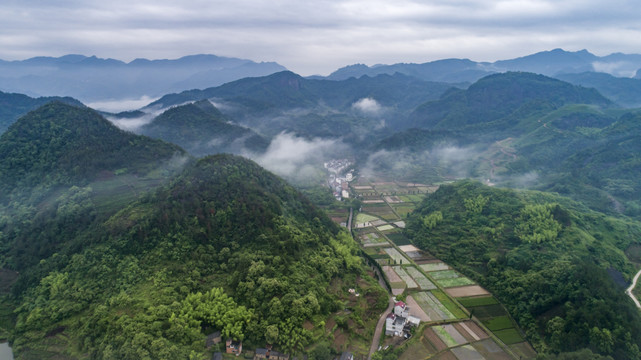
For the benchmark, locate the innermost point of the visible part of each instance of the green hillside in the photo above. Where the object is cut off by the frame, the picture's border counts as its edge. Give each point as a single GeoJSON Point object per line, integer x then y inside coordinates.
{"type": "Point", "coordinates": [549, 260]}
{"type": "Point", "coordinates": [202, 129]}
{"type": "Point", "coordinates": [61, 168]}
{"type": "Point", "coordinates": [13, 106]}
{"type": "Point", "coordinates": [60, 144]}
{"type": "Point", "coordinates": [225, 246]}
{"type": "Point", "coordinates": [498, 101]}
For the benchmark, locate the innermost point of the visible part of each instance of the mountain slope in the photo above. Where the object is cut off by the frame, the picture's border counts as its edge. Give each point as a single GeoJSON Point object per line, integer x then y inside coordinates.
{"type": "Point", "coordinates": [315, 108]}
{"type": "Point", "coordinates": [202, 129]}
{"type": "Point", "coordinates": [623, 91]}
{"type": "Point", "coordinates": [64, 144]}
{"type": "Point", "coordinates": [501, 100]}
{"type": "Point", "coordinates": [288, 90]}
{"type": "Point", "coordinates": [226, 246]}
{"type": "Point", "coordinates": [61, 168]}
{"type": "Point", "coordinates": [13, 106]}
{"type": "Point", "coordinates": [547, 259]}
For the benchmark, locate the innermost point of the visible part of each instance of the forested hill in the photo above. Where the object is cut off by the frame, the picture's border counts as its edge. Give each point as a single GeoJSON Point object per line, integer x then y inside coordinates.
{"type": "Point", "coordinates": [60, 144]}
{"type": "Point", "coordinates": [548, 259]}
{"type": "Point", "coordinates": [226, 246]}
{"type": "Point", "coordinates": [504, 98]}
{"type": "Point", "coordinates": [287, 90]}
{"type": "Point", "coordinates": [202, 129]}
{"type": "Point", "coordinates": [13, 106]}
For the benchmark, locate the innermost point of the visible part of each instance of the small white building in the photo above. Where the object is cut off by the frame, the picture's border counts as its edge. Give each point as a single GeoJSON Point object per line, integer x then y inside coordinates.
{"type": "Point", "coordinates": [401, 309]}
{"type": "Point", "coordinates": [394, 325]}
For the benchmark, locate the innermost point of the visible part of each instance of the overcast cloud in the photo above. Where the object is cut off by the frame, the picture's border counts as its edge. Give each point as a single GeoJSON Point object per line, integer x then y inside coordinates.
{"type": "Point", "coordinates": [320, 36]}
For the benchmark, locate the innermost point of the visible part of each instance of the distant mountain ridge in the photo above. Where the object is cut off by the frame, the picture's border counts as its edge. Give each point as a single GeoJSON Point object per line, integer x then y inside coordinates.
{"type": "Point", "coordinates": [550, 63]}
{"type": "Point", "coordinates": [93, 79]}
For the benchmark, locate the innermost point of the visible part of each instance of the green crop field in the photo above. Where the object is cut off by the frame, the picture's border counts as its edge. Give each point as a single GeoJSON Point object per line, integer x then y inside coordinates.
{"type": "Point", "coordinates": [363, 218]}
{"type": "Point", "coordinates": [398, 238]}
{"type": "Point", "coordinates": [433, 266]}
{"type": "Point", "coordinates": [499, 323]}
{"type": "Point", "coordinates": [411, 284]}
{"type": "Point", "coordinates": [509, 336]}
{"type": "Point", "coordinates": [461, 281]}
{"type": "Point", "coordinates": [449, 304]}
{"type": "Point", "coordinates": [477, 301]}
{"type": "Point", "coordinates": [420, 279]}
{"type": "Point", "coordinates": [488, 311]}
{"type": "Point", "coordinates": [385, 227]}
{"type": "Point", "coordinates": [445, 274]}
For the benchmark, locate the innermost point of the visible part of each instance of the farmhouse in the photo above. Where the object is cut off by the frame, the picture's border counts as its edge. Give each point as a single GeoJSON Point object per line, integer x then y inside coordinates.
{"type": "Point", "coordinates": [394, 325]}
{"type": "Point", "coordinates": [399, 321]}
{"type": "Point", "coordinates": [233, 347]}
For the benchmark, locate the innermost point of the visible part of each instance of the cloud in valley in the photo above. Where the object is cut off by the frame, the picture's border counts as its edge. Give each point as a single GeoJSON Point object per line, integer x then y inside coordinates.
{"type": "Point", "coordinates": [295, 157]}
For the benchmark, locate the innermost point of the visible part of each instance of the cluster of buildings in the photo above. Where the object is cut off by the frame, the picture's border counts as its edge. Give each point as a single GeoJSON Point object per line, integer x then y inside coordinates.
{"type": "Point", "coordinates": [339, 184]}
{"type": "Point", "coordinates": [400, 322]}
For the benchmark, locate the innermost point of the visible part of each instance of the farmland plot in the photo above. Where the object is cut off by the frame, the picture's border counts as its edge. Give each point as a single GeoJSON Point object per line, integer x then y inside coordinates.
{"type": "Point", "coordinates": [420, 279]}
{"type": "Point", "coordinates": [411, 284]}
{"type": "Point", "coordinates": [449, 335]}
{"type": "Point", "coordinates": [460, 281]}
{"type": "Point", "coordinates": [437, 266]}
{"type": "Point", "coordinates": [372, 239]}
{"type": "Point", "coordinates": [432, 306]}
{"type": "Point", "coordinates": [396, 256]}
{"type": "Point", "coordinates": [446, 274]}
{"type": "Point", "coordinates": [385, 227]}
{"type": "Point", "coordinates": [467, 352]}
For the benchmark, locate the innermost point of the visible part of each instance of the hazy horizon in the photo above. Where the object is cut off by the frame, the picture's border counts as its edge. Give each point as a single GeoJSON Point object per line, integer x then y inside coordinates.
{"type": "Point", "coordinates": [317, 38]}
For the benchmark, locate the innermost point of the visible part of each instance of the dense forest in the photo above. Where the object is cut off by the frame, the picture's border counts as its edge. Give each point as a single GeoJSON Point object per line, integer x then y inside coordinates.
{"type": "Point", "coordinates": [552, 262]}
{"type": "Point", "coordinates": [202, 129]}
{"type": "Point", "coordinates": [225, 246]}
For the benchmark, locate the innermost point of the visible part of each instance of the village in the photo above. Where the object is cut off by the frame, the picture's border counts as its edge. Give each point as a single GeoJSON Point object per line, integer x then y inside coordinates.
{"type": "Point", "coordinates": [339, 184]}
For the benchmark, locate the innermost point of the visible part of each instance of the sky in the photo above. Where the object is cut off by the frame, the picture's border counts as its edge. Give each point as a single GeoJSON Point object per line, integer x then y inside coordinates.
{"type": "Point", "coordinates": [317, 37]}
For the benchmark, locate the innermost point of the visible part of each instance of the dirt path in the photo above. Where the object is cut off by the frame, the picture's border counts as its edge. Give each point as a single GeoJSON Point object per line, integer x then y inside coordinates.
{"type": "Point", "coordinates": [629, 290]}
{"type": "Point", "coordinates": [379, 329]}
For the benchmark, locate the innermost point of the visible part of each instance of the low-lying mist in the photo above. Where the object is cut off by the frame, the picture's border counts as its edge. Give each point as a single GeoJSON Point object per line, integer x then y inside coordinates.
{"type": "Point", "coordinates": [298, 159]}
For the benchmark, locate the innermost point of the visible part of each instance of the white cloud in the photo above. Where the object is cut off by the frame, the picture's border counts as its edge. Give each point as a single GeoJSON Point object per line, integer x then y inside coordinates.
{"type": "Point", "coordinates": [116, 106]}
{"type": "Point", "coordinates": [291, 156]}
{"type": "Point", "coordinates": [368, 106]}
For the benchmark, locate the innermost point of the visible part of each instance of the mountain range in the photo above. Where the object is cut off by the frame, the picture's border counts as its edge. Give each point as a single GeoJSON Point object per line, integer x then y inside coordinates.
{"type": "Point", "coordinates": [93, 79]}
{"type": "Point", "coordinates": [138, 243]}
